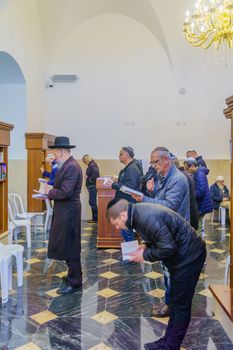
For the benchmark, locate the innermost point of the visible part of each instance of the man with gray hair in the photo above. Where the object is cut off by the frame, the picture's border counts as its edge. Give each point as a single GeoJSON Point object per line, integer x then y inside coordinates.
{"type": "Point", "coordinates": [172, 191]}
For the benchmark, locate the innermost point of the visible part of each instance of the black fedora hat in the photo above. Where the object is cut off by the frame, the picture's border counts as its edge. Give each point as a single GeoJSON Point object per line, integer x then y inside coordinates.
{"type": "Point", "coordinates": [62, 142]}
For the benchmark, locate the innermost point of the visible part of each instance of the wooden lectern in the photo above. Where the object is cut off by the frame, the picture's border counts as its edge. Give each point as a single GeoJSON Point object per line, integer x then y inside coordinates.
{"type": "Point", "coordinates": [37, 149]}
{"type": "Point", "coordinates": [223, 295]}
{"type": "Point", "coordinates": [5, 130]}
{"type": "Point", "coordinates": [108, 236]}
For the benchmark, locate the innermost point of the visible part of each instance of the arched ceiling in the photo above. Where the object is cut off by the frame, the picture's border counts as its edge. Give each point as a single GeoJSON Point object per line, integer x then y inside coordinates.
{"type": "Point", "coordinates": [10, 72]}
{"type": "Point", "coordinates": [60, 17]}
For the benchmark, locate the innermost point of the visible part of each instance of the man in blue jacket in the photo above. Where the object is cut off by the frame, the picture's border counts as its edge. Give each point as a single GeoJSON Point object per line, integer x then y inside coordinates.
{"type": "Point", "coordinates": [170, 238]}
{"type": "Point", "coordinates": [203, 198]}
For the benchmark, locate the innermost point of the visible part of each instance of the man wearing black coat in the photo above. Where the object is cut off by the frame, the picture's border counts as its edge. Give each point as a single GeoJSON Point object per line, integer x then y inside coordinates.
{"type": "Point", "coordinates": [65, 232]}
{"type": "Point", "coordinates": [130, 177]}
{"type": "Point", "coordinates": [170, 238]}
{"type": "Point", "coordinates": [92, 174]}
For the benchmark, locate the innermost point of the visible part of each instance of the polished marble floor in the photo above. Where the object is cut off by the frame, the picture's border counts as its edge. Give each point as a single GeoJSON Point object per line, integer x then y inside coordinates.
{"type": "Point", "coordinates": [112, 311]}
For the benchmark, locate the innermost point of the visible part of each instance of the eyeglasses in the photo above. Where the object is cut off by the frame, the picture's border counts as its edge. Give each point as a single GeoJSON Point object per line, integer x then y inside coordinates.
{"type": "Point", "coordinates": [155, 162]}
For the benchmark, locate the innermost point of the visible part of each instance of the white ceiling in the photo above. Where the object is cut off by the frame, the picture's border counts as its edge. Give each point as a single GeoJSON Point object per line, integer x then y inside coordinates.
{"type": "Point", "coordinates": [60, 17]}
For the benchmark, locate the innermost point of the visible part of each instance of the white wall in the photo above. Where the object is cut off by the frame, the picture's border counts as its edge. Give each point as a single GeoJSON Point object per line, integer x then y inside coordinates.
{"type": "Point", "coordinates": [13, 111]}
{"type": "Point", "coordinates": [20, 36]}
{"type": "Point", "coordinates": [126, 78]}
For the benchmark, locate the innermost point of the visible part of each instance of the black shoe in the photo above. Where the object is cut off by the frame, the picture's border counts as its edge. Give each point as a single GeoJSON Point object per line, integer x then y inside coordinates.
{"type": "Point", "coordinates": [68, 289]}
{"type": "Point", "coordinates": [156, 345]}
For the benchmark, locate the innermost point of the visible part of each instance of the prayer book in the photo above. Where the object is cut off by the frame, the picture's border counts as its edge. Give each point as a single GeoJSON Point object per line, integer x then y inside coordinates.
{"type": "Point", "coordinates": [130, 191]}
{"type": "Point", "coordinates": [127, 248]}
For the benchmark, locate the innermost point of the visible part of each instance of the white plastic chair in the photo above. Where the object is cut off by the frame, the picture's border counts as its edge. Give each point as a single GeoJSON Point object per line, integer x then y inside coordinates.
{"type": "Point", "coordinates": [20, 223]}
{"type": "Point", "coordinates": [6, 275]}
{"type": "Point", "coordinates": [227, 270]}
{"type": "Point", "coordinates": [19, 210]}
{"type": "Point", "coordinates": [49, 213]}
{"type": "Point", "coordinates": [17, 251]}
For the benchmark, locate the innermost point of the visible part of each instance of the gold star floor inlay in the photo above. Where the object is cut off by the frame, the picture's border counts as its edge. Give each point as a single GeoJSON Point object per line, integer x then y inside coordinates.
{"type": "Point", "coordinates": [32, 261]}
{"type": "Point", "coordinates": [111, 250]}
{"type": "Point", "coordinates": [25, 274]}
{"type": "Point", "coordinates": [218, 251]}
{"type": "Point", "coordinates": [206, 293]}
{"type": "Point", "coordinates": [107, 293]}
{"type": "Point", "coordinates": [163, 320]}
{"type": "Point", "coordinates": [101, 347]}
{"type": "Point", "coordinates": [157, 293]}
{"type": "Point", "coordinates": [41, 250]}
{"type": "Point", "coordinates": [202, 276]}
{"type": "Point", "coordinates": [28, 346]}
{"type": "Point", "coordinates": [104, 317]}
{"type": "Point", "coordinates": [109, 275]}
{"type": "Point", "coordinates": [61, 274]}
{"type": "Point", "coordinates": [53, 293]}
{"type": "Point", "coordinates": [43, 317]}
{"type": "Point", "coordinates": [153, 275]}
{"type": "Point", "coordinates": [110, 261]}
{"type": "Point", "coordinates": [209, 242]}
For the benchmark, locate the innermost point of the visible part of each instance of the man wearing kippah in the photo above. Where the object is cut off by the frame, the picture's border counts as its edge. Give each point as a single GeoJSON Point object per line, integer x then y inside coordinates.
{"type": "Point", "coordinates": [202, 191]}
{"type": "Point", "coordinates": [220, 194]}
{"type": "Point", "coordinates": [130, 177]}
{"type": "Point", "coordinates": [171, 239]}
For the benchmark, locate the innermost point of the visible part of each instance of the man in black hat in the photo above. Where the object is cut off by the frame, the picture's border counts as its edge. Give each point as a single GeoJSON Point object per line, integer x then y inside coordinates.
{"type": "Point", "coordinates": [65, 232]}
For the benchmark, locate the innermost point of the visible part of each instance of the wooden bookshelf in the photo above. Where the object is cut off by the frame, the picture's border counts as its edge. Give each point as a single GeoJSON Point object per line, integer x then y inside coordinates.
{"type": "Point", "coordinates": [5, 130]}
{"type": "Point", "coordinates": [37, 150]}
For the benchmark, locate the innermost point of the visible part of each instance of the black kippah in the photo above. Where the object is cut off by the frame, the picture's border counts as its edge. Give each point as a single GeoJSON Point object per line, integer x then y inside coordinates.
{"type": "Point", "coordinates": [129, 150]}
{"type": "Point", "coordinates": [113, 202]}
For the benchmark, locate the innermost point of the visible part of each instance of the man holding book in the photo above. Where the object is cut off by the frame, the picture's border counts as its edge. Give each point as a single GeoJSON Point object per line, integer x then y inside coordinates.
{"type": "Point", "coordinates": [169, 238]}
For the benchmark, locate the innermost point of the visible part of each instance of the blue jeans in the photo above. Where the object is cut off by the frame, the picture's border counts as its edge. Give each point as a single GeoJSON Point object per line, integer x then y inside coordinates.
{"type": "Point", "coordinates": [166, 277]}
{"type": "Point", "coordinates": [93, 202]}
{"type": "Point", "coordinates": [128, 235]}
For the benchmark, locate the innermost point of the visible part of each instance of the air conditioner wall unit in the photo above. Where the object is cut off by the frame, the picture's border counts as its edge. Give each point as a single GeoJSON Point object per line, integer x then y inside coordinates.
{"type": "Point", "coordinates": [64, 78]}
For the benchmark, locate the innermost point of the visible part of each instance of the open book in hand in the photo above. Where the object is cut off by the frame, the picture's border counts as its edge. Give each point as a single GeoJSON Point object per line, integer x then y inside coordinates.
{"type": "Point", "coordinates": [130, 191]}
{"type": "Point", "coordinates": [39, 195]}
{"type": "Point", "coordinates": [127, 248]}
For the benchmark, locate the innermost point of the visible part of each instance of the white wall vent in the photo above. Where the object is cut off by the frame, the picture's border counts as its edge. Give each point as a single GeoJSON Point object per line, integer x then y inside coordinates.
{"type": "Point", "coordinates": [64, 78]}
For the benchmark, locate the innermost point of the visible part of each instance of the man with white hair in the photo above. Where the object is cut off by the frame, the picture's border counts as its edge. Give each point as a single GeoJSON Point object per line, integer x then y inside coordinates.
{"type": "Point", "coordinates": [65, 232]}
{"type": "Point", "coordinates": [220, 194]}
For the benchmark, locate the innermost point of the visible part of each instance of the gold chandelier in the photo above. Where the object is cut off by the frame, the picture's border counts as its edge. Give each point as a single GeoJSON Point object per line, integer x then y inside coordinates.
{"type": "Point", "coordinates": [211, 23]}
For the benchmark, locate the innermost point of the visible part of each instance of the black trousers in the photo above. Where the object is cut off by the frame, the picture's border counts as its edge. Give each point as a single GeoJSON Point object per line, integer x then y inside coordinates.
{"type": "Point", "coordinates": [183, 282]}
{"type": "Point", "coordinates": [93, 202]}
{"type": "Point", "coordinates": [74, 277]}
